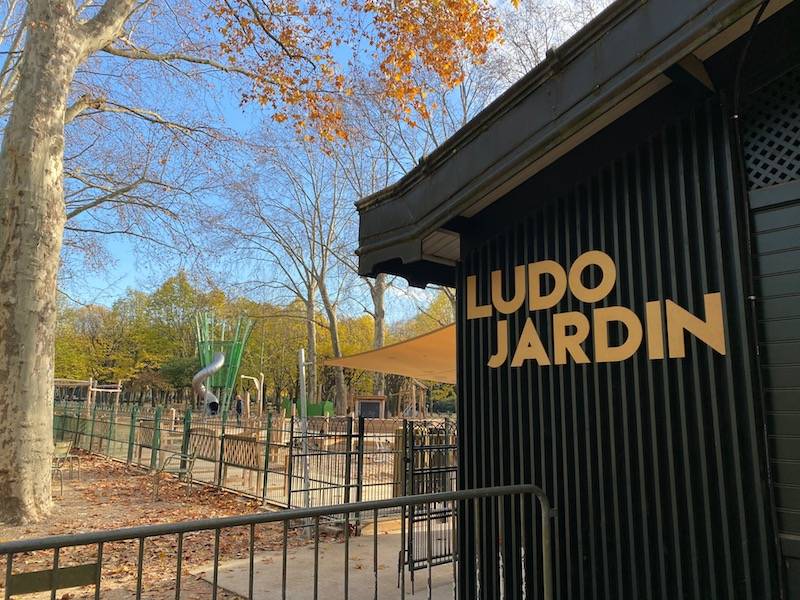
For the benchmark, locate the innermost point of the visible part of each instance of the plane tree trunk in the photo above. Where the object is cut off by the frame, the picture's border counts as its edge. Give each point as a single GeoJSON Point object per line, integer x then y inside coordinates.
{"type": "Point", "coordinates": [31, 229]}
{"type": "Point", "coordinates": [378, 292]}
{"type": "Point", "coordinates": [311, 350]}
{"type": "Point", "coordinates": [333, 327]}
{"type": "Point", "coordinates": [32, 220]}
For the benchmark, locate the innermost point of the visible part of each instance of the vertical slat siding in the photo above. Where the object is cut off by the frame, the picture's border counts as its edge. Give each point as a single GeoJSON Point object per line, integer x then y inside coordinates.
{"type": "Point", "coordinates": [653, 467]}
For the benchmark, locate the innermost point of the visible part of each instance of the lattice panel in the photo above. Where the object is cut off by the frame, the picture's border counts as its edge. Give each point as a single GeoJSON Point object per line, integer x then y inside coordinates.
{"type": "Point", "coordinates": [146, 432]}
{"type": "Point", "coordinates": [772, 132]}
{"type": "Point", "coordinates": [204, 442]}
{"type": "Point", "coordinates": [242, 451]}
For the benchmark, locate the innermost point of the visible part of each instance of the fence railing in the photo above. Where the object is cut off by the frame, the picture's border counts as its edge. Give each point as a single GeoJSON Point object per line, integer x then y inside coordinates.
{"type": "Point", "coordinates": [485, 572]}
{"type": "Point", "coordinates": [344, 460]}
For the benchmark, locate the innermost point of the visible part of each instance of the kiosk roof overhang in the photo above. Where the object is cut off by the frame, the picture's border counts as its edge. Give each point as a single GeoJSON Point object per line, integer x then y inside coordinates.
{"type": "Point", "coordinates": [624, 56]}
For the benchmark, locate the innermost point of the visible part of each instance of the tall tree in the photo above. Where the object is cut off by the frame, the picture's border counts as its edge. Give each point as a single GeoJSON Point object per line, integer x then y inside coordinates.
{"type": "Point", "coordinates": [31, 230]}
{"type": "Point", "coordinates": [287, 50]}
{"type": "Point", "coordinates": [294, 219]}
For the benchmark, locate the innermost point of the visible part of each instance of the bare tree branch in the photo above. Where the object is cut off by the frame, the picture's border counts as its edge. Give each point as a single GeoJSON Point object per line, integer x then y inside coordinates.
{"type": "Point", "coordinates": [134, 53]}
{"type": "Point", "coordinates": [107, 24]}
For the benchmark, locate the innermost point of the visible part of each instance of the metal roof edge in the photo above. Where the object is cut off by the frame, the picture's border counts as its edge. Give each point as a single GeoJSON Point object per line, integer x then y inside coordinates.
{"type": "Point", "coordinates": [556, 59]}
{"type": "Point", "coordinates": [703, 22]}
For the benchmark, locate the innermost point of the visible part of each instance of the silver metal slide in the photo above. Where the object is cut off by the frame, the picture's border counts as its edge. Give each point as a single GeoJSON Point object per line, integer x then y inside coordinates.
{"type": "Point", "coordinates": [210, 400]}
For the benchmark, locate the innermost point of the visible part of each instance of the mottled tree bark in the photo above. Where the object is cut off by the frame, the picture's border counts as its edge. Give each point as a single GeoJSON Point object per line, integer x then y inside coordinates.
{"type": "Point", "coordinates": [32, 220]}
{"type": "Point", "coordinates": [333, 327]}
{"type": "Point", "coordinates": [31, 229]}
{"type": "Point", "coordinates": [311, 350]}
{"type": "Point", "coordinates": [378, 291]}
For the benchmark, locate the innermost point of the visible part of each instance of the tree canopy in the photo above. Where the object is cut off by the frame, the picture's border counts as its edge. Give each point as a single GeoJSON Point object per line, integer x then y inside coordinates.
{"type": "Point", "coordinates": [148, 339]}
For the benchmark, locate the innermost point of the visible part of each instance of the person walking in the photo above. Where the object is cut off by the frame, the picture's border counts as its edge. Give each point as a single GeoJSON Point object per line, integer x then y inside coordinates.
{"type": "Point", "coordinates": [239, 408]}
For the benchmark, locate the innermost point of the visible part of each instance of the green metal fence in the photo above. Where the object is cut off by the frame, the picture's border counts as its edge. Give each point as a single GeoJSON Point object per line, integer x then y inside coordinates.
{"type": "Point", "coordinates": [343, 459]}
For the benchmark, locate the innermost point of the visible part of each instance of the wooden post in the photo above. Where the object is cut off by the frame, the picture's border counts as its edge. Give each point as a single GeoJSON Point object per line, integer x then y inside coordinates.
{"type": "Point", "coordinates": [260, 395]}
{"type": "Point", "coordinates": [89, 397]}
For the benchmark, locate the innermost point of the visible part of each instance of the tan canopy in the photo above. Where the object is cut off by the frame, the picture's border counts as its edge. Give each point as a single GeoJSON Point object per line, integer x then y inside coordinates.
{"type": "Point", "coordinates": [431, 356]}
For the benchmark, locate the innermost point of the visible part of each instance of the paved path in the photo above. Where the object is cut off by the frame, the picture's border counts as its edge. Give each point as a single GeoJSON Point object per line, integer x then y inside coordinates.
{"type": "Point", "coordinates": [233, 575]}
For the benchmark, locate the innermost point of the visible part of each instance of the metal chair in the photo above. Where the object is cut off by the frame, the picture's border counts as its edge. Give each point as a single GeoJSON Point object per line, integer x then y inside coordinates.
{"type": "Point", "coordinates": [63, 452]}
{"type": "Point", "coordinates": [175, 463]}
{"type": "Point", "coordinates": [60, 458]}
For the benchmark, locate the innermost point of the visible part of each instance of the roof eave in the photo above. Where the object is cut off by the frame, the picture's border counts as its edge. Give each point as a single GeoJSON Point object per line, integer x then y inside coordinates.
{"type": "Point", "coordinates": [585, 83]}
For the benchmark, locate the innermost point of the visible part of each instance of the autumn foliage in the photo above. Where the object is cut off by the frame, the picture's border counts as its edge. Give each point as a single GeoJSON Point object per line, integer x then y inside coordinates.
{"type": "Point", "coordinates": [302, 56]}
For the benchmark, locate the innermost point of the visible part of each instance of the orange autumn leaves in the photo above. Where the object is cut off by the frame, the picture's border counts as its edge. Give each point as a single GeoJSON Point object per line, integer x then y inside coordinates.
{"type": "Point", "coordinates": [301, 56]}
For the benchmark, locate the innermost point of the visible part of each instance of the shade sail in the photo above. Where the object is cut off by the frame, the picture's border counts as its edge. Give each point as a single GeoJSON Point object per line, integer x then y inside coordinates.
{"type": "Point", "coordinates": [431, 356]}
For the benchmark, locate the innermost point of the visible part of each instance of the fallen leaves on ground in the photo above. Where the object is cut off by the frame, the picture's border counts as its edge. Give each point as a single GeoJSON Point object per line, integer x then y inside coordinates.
{"type": "Point", "coordinates": [108, 496]}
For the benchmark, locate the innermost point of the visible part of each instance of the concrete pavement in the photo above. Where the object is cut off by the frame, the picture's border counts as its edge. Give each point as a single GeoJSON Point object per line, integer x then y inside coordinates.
{"type": "Point", "coordinates": [233, 575]}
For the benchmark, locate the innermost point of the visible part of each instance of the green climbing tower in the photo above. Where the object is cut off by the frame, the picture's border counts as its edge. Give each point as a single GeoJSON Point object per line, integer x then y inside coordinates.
{"type": "Point", "coordinates": [220, 335]}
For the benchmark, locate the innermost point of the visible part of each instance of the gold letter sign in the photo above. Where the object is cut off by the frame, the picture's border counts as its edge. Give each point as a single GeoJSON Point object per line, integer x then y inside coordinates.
{"type": "Point", "coordinates": [613, 334]}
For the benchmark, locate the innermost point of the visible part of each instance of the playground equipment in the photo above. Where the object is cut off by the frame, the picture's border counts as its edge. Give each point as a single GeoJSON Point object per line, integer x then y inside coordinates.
{"type": "Point", "coordinates": [259, 384]}
{"type": "Point", "coordinates": [210, 400]}
{"type": "Point", "coordinates": [214, 339]}
{"type": "Point", "coordinates": [87, 391]}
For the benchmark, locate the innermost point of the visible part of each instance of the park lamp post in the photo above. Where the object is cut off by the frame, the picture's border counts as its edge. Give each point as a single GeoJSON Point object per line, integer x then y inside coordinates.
{"type": "Point", "coordinates": [303, 400]}
{"type": "Point", "coordinates": [259, 383]}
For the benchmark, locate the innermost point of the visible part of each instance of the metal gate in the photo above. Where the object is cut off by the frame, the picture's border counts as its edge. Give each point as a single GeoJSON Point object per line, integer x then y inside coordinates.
{"type": "Point", "coordinates": [429, 529]}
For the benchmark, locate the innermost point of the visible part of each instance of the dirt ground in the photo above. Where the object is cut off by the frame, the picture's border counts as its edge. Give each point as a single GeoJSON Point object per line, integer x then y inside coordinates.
{"type": "Point", "coordinates": [109, 496]}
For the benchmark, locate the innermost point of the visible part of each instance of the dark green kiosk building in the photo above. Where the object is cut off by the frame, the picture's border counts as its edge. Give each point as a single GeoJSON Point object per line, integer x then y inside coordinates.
{"type": "Point", "coordinates": [622, 227]}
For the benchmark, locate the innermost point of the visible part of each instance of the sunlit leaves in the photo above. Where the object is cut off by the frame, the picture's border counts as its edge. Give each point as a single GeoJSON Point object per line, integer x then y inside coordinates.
{"type": "Point", "coordinates": [301, 54]}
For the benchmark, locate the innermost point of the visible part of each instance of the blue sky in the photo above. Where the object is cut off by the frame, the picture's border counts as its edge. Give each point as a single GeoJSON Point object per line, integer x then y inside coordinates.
{"type": "Point", "coordinates": [130, 269]}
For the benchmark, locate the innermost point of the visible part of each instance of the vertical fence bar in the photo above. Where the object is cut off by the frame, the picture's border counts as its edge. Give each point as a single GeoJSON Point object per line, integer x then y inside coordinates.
{"type": "Point", "coordinates": [290, 466]}
{"type": "Point", "coordinates": [267, 442]}
{"type": "Point", "coordinates": [303, 400]}
{"type": "Point", "coordinates": [132, 432]}
{"type": "Point", "coordinates": [316, 557]}
{"type": "Point", "coordinates": [222, 447]}
{"type": "Point", "coordinates": [454, 543]}
{"type": "Point", "coordinates": [252, 551]}
{"type": "Point", "coordinates": [429, 545]}
{"type": "Point", "coordinates": [285, 557]}
{"type": "Point", "coordinates": [156, 444]}
{"type": "Point", "coordinates": [359, 470]}
{"type": "Point", "coordinates": [347, 553]}
{"type": "Point", "coordinates": [112, 428]}
{"type": "Point", "coordinates": [477, 541]}
{"type": "Point", "coordinates": [9, 571]}
{"type": "Point", "coordinates": [187, 432]}
{"type": "Point", "coordinates": [91, 430]}
{"type": "Point", "coordinates": [179, 569]}
{"type": "Point", "coordinates": [54, 576]}
{"type": "Point", "coordinates": [348, 459]}
{"type": "Point", "coordinates": [99, 575]}
{"type": "Point", "coordinates": [216, 564]}
{"type": "Point", "coordinates": [403, 551]}
{"type": "Point", "coordinates": [139, 568]}
{"type": "Point", "coordinates": [412, 489]}
{"type": "Point", "coordinates": [375, 550]}
{"type": "Point", "coordinates": [547, 560]}
{"type": "Point", "coordinates": [404, 510]}
{"type": "Point", "coordinates": [502, 559]}
{"type": "Point", "coordinates": [77, 441]}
